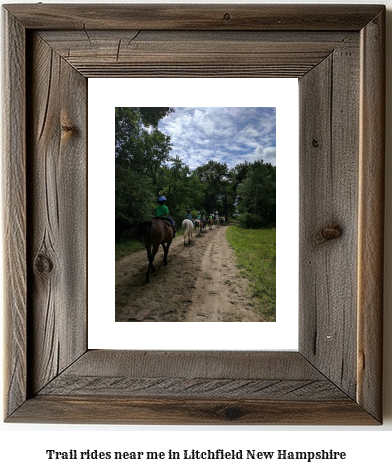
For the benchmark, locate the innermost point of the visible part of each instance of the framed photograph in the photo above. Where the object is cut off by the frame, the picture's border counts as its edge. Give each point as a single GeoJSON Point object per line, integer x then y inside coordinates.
{"type": "Point", "coordinates": [212, 167]}
{"type": "Point", "coordinates": [200, 281]}
{"type": "Point", "coordinates": [337, 53]}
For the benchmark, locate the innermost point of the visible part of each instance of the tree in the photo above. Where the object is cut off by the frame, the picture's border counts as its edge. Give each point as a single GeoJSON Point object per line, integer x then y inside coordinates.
{"type": "Point", "coordinates": [138, 144]}
{"type": "Point", "coordinates": [128, 140]}
{"type": "Point", "coordinates": [152, 115]}
{"type": "Point", "coordinates": [257, 192]}
{"type": "Point", "coordinates": [214, 177]}
{"type": "Point", "coordinates": [134, 195]}
{"type": "Point", "coordinates": [140, 151]}
{"type": "Point", "coordinates": [181, 187]}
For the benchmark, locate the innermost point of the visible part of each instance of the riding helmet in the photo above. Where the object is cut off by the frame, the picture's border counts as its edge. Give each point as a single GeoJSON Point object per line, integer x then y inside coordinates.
{"type": "Point", "coordinates": [161, 199]}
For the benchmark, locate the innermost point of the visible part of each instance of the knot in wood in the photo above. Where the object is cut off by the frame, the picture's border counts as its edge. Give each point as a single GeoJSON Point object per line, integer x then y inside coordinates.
{"type": "Point", "coordinates": [328, 233]}
{"type": "Point", "coordinates": [315, 143]}
{"type": "Point", "coordinates": [227, 16]}
{"type": "Point", "coordinates": [232, 412]}
{"type": "Point", "coordinates": [43, 264]}
{"type": "Point", "coordinates": [69, 128]}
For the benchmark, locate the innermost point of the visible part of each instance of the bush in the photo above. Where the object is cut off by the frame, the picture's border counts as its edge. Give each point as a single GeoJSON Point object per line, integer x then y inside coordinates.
{"type": "Point", "coordinates": [251, 221]}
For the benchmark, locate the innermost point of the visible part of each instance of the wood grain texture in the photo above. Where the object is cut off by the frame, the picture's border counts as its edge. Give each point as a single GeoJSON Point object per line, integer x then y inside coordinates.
{"type": "Point", "coordinates": [58, 215]}
{"type": "Point", "coordinates": [195, 17]}
{"type": "Point", "coordinates": [207, 364]}
{"type": "Point", "coordinates": [103, 409]}
{"type": "Point", "coordinates": [371, 216]}
{"type": "Point", "coordinates": [192, 387]}
{"type": "Point", "coordinates": [14, 208]}
{"type": "Point", "coordinates": [178, 374]}
{"type": "Point", "coordinates": [196, 53]}
{"type": "Point", "coordinates": [329, 137]}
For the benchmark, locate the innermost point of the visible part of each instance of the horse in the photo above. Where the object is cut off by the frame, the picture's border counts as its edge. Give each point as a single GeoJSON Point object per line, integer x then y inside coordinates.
{"type": "Point", "coordinates": [155, 232]}
{"type": "Point", "coordinates": [198, 225]}
{"type": "Point", "coordinates": [222, 220]}
{"type": "Point", "coordinates": [203, 225]}
{"type": "Point", "coordinates": [209, 223]}
{"type": "Point", "coordinates": [187, 227]}
{"type": "Point", "coordinates": [217, 222]}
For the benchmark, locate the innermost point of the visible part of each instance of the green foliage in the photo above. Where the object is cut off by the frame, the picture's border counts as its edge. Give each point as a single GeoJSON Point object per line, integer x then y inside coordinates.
{"type": "Point", "coordinates": [250, 186]}
{"type": "Point", "coordinates": [128, 143]}
{"type": "Point", "coordinates": [140, 152]}
{"type": "Point", "coordinates": [156, 149]}
{"type": "Point", "coordinates": [251, 221]}
{"type": "Point", "coordinates": [257, 192]}
{"type": "Point", "coordinates": [142, 149]}
{"type": "Point", "coordinates": [134, 194]}
{"type": "Point", "coordinates": [216, 195]}
{"type": "Point", "coordinates": [179, 186]}
{"type": "Point", "coordinates": [255, 252]}
{"type": "Point", "coordinates": [152, 115]}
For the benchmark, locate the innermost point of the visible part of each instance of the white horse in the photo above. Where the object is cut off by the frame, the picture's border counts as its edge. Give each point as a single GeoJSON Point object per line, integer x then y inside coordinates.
{"type": "Point", "coordinates": [187, 227]}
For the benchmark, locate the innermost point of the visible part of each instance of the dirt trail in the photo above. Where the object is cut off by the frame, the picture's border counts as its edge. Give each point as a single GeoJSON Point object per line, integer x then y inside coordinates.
{"type": "Point", "coordinates": [200, 283]}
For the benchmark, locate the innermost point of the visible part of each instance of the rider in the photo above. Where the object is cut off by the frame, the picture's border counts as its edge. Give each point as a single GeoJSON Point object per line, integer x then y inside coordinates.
{"type": "Point", "coordinates": [163, 211]}
{"type": "Point", "coordinates": [198, 215]}
{"type": "Point", "coordinates": [189, 216]}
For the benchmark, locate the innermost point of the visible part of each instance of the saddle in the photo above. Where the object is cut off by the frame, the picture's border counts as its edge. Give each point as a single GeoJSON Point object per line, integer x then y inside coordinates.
{"type": "Point", "coordinates": [167, 221]}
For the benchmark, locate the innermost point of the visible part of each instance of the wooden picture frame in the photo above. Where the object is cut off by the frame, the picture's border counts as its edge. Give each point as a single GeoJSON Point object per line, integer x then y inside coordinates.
{"type": "Point", "coordinates": [338, 54]}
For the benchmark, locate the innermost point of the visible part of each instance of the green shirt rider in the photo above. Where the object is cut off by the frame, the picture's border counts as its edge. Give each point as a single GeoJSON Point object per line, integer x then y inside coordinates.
{"type": "Point", "coordinates": [163, 211]}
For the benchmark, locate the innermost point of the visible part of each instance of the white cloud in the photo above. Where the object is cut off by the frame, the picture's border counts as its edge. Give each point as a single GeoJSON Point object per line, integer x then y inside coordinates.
{"type": "Point", "coordinates": [228, 134]}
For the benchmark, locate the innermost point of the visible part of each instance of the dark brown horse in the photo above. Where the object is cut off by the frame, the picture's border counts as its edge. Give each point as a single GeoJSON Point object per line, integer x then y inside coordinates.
{"type": "Point", "coordinates": [152, 234]}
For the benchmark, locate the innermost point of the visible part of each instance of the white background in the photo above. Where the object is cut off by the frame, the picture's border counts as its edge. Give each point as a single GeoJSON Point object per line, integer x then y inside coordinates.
{"type": "Point", "coordinates": [104, 332]}
{"type": "Point", "coordinates": [22, 447]}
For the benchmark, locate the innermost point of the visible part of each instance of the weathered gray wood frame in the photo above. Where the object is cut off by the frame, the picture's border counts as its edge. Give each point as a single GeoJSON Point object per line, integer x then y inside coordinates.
{"type": "Point", "coordinates": [337, 52]}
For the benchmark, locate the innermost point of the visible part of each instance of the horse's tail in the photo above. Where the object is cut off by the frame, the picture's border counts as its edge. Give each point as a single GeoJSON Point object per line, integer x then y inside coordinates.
{"type": "Point", "coordinates": [145, 229]}
{"type": "Point", "coordinates": [187, 226]}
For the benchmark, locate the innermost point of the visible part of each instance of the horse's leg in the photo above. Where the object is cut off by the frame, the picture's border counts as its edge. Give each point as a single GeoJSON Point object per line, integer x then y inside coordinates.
{"type": "Point", "coordinates": [155, 248]}
{"type": "Point", "coordinates": [148, 248]}
{"type": "Point", "coordinates": [165, 252]}
{"type": "Point", "coordinates": [165, 249]}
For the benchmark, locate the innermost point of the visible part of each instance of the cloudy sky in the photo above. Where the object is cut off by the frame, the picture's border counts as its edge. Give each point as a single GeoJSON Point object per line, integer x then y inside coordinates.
{"type": "Point", "coordinates": [224, 134]}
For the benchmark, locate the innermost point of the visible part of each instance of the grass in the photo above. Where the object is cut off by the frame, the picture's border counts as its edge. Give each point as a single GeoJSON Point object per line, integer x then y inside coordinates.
{"type": "Point", "coordinates": [255, 251]}
{"type": "Point", "coordinates": [127, 247]}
